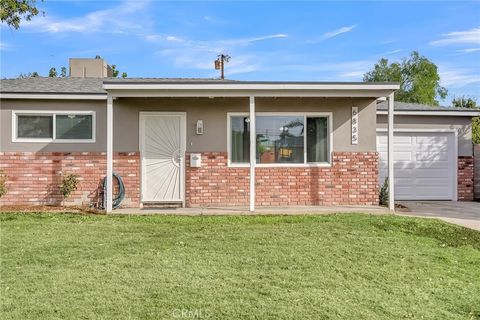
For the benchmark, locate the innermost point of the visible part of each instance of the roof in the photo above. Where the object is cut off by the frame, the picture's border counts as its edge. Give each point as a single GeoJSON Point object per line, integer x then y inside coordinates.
{"type": "Point", "coordinates": [407, 108]}
{"type": "Point", "coordinates": [94, 85]}
{"type": "Point", "coordinates": [53, 85]}
{"type": "Point", "coordinates": [229, 81]}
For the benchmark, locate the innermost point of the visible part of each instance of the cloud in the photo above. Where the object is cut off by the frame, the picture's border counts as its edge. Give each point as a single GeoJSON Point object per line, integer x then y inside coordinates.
{"type": "Point", "coordinates": [392, 52]}
{"type": "Point", "coordinates": [337, 32]}
{"type": "Point", "coordinates": [458, 77]}
{"type": "Point", "coordinates": [118, 19]}
{"type": "Point", "coordinates": [471, 36]}
{"type": "Point", "coordinates": [469, 50]}
{"type": "Point", "coordinates": [5, 46]}
{"type": "Point", "coordinates": [199, 54]}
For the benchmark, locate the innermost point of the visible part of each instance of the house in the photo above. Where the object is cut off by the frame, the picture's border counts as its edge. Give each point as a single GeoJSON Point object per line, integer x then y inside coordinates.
{"type": "Point", "coordinates": [194, 142]}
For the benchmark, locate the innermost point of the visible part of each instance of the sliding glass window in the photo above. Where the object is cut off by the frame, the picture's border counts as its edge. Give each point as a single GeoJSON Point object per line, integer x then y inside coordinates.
{"type": "Point", "coordinates": [281, 139]}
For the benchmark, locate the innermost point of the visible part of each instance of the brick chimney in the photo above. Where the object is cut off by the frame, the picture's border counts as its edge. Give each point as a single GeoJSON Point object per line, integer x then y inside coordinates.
{"type": "Point", "coordinates": [89, 68]}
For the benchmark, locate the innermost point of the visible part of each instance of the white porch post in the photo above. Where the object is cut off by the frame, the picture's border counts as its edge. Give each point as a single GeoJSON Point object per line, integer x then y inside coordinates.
{"type": "Point", "coordinates": [252, 153]}
{"type": "Point", "coordinates": [391, 179]}
{"type": "Point", "coordinates": [109, 194]}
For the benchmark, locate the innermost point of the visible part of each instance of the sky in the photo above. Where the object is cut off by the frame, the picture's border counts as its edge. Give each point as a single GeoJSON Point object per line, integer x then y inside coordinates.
{"type": "Point", "coordinates": [267, 40]}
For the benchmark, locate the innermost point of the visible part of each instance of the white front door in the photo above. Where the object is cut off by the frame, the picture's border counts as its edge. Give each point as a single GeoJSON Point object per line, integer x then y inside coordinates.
{"type": "Point", "coordinates": [162, 148]}
{"type": "Point", "coordinates": [424, 164]}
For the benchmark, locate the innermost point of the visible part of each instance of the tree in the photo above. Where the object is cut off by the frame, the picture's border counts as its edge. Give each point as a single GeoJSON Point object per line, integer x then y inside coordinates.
{"type": "Point", "coordinates": [116, 72]}
{"type": "Point", "coordinates": [418, 77]}
{"type": "Point", "coordinates": [63, 72]}
{"type": "Point", "coordinates": [13, 11]}
{"type": "Point", "coordinates": [33, 74]}
{"type": "Point", "coordinates": [464, 102]}
{"type": "Point", "coordinates": [52, 73]}
{"type": "Point", "coordinates": [469, 103]}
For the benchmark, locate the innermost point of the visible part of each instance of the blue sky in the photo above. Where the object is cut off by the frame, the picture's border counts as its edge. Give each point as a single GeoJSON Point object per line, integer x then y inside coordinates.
{"type": "Point", "coordinates": [314, 41]}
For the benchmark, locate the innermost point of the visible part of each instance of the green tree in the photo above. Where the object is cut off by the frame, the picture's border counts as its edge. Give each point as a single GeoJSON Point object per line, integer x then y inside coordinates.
{"type": "Point", "coordinates": [63, 72]}
{"type": "Point", "coordinates": [33, 74]}
{"type": "Point", "coordinates": [418, 77]}
{"type": "Point", "coordinates": [115, 71]}
{"type": "Point", "coordinates": [13, 11]}
{"type": "Point", "coordinates": [464, 102]}
{"type": "Point", "coordinates": [52, 73]}
{"type": "Point", "coordinates": [469, 103]}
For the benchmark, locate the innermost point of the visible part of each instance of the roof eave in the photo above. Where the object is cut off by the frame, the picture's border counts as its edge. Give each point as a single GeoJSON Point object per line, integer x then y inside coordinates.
{"type": "Point", "coordinates": [249, 89]}
{"type": "Point", "coordinates": [453, 113]}
{"type": "Point", "coordinates": [53, 96]}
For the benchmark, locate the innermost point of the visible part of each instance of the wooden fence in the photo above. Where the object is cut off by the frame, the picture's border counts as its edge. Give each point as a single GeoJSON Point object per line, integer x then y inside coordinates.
{"type": "Point", "coordinates": [476, 165]}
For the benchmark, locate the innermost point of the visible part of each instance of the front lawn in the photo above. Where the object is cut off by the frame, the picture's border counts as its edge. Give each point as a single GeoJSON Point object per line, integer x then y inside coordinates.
{"type": "Point", "coordinates": [59, 266]}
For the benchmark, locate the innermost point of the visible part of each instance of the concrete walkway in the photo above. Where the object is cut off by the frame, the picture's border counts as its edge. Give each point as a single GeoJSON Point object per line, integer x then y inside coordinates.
{"type": "Point", "coordinates": [294, 210]}
{"type": "Point", "coordinates": [463, 213]}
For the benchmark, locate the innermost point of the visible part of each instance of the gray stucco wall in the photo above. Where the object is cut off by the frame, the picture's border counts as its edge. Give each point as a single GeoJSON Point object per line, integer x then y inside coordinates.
{"type": "Point", "coordinates": [462, 124]}
{"type": "Point", "coordinates": [212, 111]}
{"type": "Point", "coordinates": [6, 107]}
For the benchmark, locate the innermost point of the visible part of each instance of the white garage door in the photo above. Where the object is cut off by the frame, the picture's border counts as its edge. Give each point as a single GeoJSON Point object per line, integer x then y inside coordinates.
{"type": "Point", "coordinates": [424, 164]}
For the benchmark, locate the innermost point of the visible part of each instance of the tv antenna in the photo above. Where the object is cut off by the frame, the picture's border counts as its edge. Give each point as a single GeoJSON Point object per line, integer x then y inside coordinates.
{"type": "Point", "coordinates": [220, 64]}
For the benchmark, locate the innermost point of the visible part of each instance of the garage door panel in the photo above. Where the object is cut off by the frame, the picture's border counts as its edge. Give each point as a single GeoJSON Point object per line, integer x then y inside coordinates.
{"type": "Point", "coordinates": [424, 165]}
{"type": "Point", "coordinates": [431, 156]}
{"type": "Point", "coordinates": [432, 165]}
{"type": "Point", "coordinates": [427, 140]}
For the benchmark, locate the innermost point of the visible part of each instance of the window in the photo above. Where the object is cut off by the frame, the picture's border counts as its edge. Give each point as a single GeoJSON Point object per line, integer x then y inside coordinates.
{"type": "Point", "coordinates": [281, 139]}
{"type": "Point", "coordinates": [44, 126]}
{"type": "Point", "coordinates": [74, 126]}
{"type": "Point", "coordinates": [31, 126]}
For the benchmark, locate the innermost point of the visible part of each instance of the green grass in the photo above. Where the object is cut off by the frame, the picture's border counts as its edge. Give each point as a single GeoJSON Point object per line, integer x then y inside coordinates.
{"type": "Point", "coordinates": [60, 266]}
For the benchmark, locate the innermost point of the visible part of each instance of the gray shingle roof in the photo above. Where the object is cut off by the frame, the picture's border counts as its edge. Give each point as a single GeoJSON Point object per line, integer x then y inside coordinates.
{"type": "Point", "coordinates": [94, 85]}
{"type": "Point", "coordinates": [406, 106]}
{"type": "Point", "coordinates": [52, 85]}
{"type": "Point", "coordinates": [216, 80]}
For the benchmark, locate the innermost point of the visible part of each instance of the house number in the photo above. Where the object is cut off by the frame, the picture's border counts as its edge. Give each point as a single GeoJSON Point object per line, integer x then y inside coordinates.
{"type": "Point", "coordinates": [354, 125]}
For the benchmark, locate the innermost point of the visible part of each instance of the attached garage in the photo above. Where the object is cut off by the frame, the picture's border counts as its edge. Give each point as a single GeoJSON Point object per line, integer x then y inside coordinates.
{"type": "Point", "coordinates": [424, 164]}
{"type": "Point", "coordinates": [433, 151]}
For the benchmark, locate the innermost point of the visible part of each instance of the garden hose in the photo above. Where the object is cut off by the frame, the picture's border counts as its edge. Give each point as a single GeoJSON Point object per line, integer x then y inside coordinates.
{"type": "Point", "coordinates": [119, 197]}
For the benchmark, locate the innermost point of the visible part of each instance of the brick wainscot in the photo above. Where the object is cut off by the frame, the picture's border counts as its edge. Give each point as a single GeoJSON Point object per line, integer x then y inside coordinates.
{"type": "Point", "coordinates": [465, 178]}
{"type": "Point", "coordinates": [34, 177]}
{"type": "Point", "coordinates": [351, 180]}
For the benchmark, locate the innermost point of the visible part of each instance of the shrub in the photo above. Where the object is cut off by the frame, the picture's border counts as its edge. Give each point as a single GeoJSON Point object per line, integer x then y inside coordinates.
{"type": "Point", "coordinates": [3, 183]}
{"type": "Point", "coordinates": [383, 194]}
{"type": "Point", "coordinates": [69, 184]}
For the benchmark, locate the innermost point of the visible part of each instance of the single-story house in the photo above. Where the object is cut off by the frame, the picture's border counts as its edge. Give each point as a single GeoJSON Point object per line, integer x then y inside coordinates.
{"type": "Point", "coordinates": [195, 142]}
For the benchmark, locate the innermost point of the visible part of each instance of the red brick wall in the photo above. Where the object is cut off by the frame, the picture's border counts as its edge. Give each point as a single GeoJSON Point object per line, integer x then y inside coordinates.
{"type": "Point", "coordinates": [465, 178]}
{"type": "Point", "coordinates": [351, 180]}
{"type": "Point", "coordinates": [33, 177]}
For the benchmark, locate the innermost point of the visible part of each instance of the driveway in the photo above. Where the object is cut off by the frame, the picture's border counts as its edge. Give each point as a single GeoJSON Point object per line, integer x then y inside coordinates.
{"type": "Point", "coordinates": [465, 214]}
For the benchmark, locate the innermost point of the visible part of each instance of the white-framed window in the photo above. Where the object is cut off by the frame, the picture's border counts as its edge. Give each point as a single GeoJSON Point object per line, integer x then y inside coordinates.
{"type": "Point", "coordinates": [283, 139]}
{"type": "Point", "coordinates": [53, 126]}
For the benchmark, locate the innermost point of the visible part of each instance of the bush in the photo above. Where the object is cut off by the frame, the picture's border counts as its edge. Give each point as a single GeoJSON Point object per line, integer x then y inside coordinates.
{"type": "Point", "coordinates": [3, 183]}
{"type": "Point", "coordinates": [476, 130]}
{"type": "Point", "coordinates": [383, 194]}
{"type": "Point", "coordinates": [69, 184]}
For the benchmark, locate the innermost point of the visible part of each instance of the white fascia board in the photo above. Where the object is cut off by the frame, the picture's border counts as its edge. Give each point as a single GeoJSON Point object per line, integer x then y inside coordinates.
{"type": "Point", "coordinates": [434, 113]}
{"type": "Point", "coordinates": [233, 86]}
{"type": "Point", "coordinates": [248, 93]}
{"type": "Point", "coordinates": [47, 96]}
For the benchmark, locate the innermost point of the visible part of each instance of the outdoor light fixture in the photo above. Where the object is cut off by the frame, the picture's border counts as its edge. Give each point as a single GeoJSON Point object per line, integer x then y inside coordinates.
{"type": "Point", "coordinates": [199, 127]}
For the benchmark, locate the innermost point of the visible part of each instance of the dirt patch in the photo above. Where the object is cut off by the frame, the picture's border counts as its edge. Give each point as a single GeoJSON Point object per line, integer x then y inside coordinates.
{"type": "Point", "coordinates": [50, 208]}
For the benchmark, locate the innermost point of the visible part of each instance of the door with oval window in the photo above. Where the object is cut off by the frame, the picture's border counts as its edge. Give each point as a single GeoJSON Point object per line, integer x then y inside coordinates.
{"type": "Point", "coordinates": [162, 152]}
